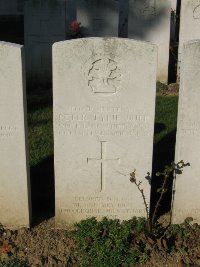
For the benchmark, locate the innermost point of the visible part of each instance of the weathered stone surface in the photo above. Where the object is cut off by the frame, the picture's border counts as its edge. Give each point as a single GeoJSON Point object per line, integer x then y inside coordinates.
{"type": "Point", "coordinates": [186, 199]}
{"type": "Point", "coordinates": [149, 20]}
{"type": "Point", "coordinates": [14, 170]}
{"type": "Point", "coordinates": [103, 126]}
{"type": "Point", "coordinates": [98, 17]}
{"type": "Point", "coordinates": [44, 24]}
{"type": "Point", "coordinates": [189, 25]}
{"type": "Point", "coordinates": [174, 4]}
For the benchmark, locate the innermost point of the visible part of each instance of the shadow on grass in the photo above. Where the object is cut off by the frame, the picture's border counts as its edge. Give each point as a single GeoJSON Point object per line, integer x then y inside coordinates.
{"type": "Point", "coordinates": [42, 190]}
{"type": "Point", "coordinates": [38, 98]}
{"type": "Point", "coordinates": [163, 154]}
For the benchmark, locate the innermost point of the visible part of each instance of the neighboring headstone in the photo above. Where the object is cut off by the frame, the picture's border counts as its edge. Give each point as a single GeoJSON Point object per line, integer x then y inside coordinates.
{"type": "Point", "coordinates": [173, 4]}
{"type": "Point", "coordinates": [98, 17]}
{"type": "Point", "coordinates": [14, 167]}
{"type": "Point", "coordinates": [189, 25]}
{"type": "Point", "coordinates": [44, 24]}
{"type": "Point", "coordinates": [104, 102]}
{"type": "Point", "coordinates": [11, 7]}
{"type": "Point", "coordinates": [149, 20]}
{"type": "Point", "coordinates": [186, 195]}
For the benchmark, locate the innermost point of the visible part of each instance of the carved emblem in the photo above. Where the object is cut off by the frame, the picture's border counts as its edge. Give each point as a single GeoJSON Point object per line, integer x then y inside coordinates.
{"type": "Point", "coordinates": [196, 12]}
{"type": "Point", "coordinates": [103, 76]}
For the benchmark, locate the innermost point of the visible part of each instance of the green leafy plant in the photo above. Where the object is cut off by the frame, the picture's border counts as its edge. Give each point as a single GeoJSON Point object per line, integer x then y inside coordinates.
{"type": "Point", "coordinates": [110, 242]}
{"type": "Point", "coordinates": [13, 263]}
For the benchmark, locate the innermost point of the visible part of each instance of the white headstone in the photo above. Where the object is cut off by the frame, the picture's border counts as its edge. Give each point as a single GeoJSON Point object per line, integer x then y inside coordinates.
{"type": "Point", "coordinates": [44, 24]}
{"type": "Point", "coordinates": [98, 17]}
{"type": "Point", "coordinates": [149, 20]}
{"type": "Point", "coordinates": [186, 198]}
{"type": "Point", "coordinates": [174, 4]}
{"type": "Point", "coordinates": [104, 101]}
{"type": "Point", "coordinates": [14, 170]}
{"type": "Point", "coordinates": [189, 25]}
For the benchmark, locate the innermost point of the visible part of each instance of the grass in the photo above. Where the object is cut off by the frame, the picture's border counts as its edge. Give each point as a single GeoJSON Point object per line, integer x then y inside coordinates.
{"type": "Point", "coordinates": [13, 263]}
{"type": "Point", "coordinates": [165, 116]}
{"type": "Point", "coordinates": [40, 126]}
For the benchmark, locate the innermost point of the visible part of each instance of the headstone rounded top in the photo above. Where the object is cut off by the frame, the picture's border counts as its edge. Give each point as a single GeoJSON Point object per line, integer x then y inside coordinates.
{"type": "Point", "coordinates": [10, 44]}
{"type": "Point", "coordinates": [105, 39]}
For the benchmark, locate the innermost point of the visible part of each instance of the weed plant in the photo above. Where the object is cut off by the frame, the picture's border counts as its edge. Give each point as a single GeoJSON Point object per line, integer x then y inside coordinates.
{"type": "Point", "coordinates": [129, 243]}
{"type": "Point", "coordinates": [13, 263]}
{"type": "Point", "coordinates": [108, 242]}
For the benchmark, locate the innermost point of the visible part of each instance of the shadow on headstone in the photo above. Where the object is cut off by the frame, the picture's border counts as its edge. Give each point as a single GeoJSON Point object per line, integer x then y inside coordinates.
{"type": "Point", "coordinates": [99, 18]}
{"type": "Point", "coordinates": [143, 17]}
{"type": "Point", "coordinates": [42, 190]}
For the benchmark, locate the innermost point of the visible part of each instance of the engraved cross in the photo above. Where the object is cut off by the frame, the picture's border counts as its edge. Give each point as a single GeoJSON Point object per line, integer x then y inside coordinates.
{"type": "Point", "coordinates": [102, 160]}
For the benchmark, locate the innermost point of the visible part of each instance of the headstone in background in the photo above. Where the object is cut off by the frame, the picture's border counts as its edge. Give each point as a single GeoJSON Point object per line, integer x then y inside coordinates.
{"type": "Point", "coordinates": [11, 7]}
{"type": "Point", "coordinates": [98, 17]}
{"type": "Point", "coordinates": [186, 198]}
{"type": "Point", "coordinates": [173, 4]}
{"type": "Point", "coordinates": [14, 167]}
{"type": "Point", "coordinates": [45, 23]}
{"type": "Point", "coordinates": [103, 126]}
{"type": "Point", "coordinates": [149, 20]}
{"type": "Point", "coordinates": [189, 25]}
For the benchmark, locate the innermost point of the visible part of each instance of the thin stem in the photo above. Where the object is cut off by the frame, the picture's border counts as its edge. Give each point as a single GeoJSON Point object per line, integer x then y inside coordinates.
{"type": "Point", "coordinates": [163, 191]}
{"type": "Point", "coordinates": [145, 203]}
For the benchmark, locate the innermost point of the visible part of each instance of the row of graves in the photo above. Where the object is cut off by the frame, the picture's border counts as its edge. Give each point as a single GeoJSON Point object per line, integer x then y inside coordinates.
{"type": "Point", "coordinates": [47, 22]}
{"type": "Point", "coordinates": [104, 93]}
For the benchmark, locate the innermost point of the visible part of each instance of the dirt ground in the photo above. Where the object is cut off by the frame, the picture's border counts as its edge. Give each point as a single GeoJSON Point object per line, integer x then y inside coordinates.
{"type": "Point", "coordinates": [43, 245]}
{"type": "Point", "coordinates": [167, 90]}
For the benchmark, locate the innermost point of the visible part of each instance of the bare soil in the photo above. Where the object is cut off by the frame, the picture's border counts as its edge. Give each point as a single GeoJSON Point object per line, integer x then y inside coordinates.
{"type": "Point", "coordinates": [43, 245]}
{"type": "Point", "coordinates": [167, 90]}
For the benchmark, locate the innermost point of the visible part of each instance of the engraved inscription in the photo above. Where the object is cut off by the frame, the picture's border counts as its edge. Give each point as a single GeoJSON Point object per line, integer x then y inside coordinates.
{"type": "Point", "coordinates": [102, 206]}
{"type": "Point", "coordinates": [7, 131]}
{"type": "Point", "coordinates": [104, 76]}
{"type": "Point", "coordinates": [190, 129]}
{"type": "Point", "coordinates": [102, 160]}
{"type": "Point", "coordinates": [103, 121]}
{"type": "Point", "coordinates": [196, 12]}
{"type": "Point", "coordinates": [185, 211]}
